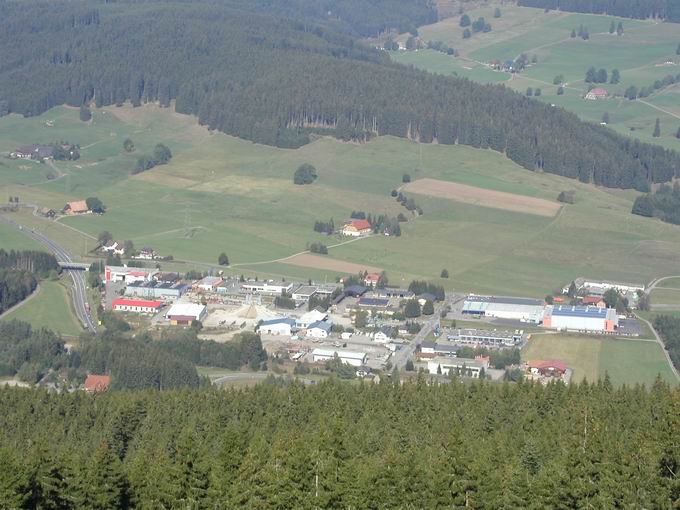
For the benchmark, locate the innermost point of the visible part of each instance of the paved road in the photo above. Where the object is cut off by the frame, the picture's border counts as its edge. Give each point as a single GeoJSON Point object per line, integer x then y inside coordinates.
{"type": "Point", "coordinates": [78, 277]}
{"type": "Point", "coordinates": [653, 284]}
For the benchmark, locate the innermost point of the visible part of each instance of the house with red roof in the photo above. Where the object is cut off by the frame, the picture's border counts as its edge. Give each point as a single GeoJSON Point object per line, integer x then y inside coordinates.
{"type": "Point", "coordinates": [356, 228]}
{"type": "Point", "coordinates": [97, 383]}
{"type": "Point", "coordinates": [371, 280]}
{"type": "Point", "coordinates": [136, 305]}
{"type": "Point", "coordinates": [594, 301]}
{"type": "Point", "coordinates": [546, 368]}
{"type": "Point", "coordinates": [597, 93]}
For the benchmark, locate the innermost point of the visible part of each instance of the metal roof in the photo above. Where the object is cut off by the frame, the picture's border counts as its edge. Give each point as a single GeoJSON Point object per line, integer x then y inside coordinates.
{"type": "Point", "coordinates": [282, 320]}
{"type": "Point", "coordinates": [505, 300]}
{"type": "Point", "coordinates": [592, 312]}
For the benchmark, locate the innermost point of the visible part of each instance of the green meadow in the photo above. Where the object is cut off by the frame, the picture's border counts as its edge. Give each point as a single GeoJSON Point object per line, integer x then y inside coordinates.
{"type": "Point", "coordinates": [224, 194]}
{"type": "Point", "coordinates": [626, 361]}
{"type": "Point", "coordinates": [644, 53]}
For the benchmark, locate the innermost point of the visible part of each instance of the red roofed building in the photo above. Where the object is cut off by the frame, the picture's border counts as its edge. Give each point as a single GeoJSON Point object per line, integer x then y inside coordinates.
{"type": "Point", "coordinates": [594, 300]}
{"type": "Point", "coordinates": [97, 383]}
{"type": "Point", "coordinates": [371, 280]}
{"type": "Point", "coordinates": [136, 305]}
{"type": "Point", "coordinates": [548, 367]}
{"type": "Point", "coordinates": [356, 228]}
{"type": "Point", "coordinates": [597, 93]}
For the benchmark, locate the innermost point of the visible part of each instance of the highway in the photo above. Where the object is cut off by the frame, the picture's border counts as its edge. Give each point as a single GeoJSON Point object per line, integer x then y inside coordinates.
{"type": "Point", "coordinates": [79, 288]}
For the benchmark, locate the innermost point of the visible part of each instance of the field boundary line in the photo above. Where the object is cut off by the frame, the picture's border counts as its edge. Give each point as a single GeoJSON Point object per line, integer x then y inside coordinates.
{"type": "Point", "coordinates": [22, 302]}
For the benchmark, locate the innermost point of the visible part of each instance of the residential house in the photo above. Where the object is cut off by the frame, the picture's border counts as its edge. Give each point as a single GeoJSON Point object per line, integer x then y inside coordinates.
{"type": "Point", "coordinates": [114, 248]}
{"type": "Point", "coordinates": [76, 207]}
{"type": "Point", "coordinates": [596, 93]}
{"type": "Point", "coordinates": [371, 280]}
{"type": "Point", "coordinates": [383, 335]}
{"type": "Point", "coordinates": [97, 383]}
{"type": "Point", "coordinates": [356, 228]}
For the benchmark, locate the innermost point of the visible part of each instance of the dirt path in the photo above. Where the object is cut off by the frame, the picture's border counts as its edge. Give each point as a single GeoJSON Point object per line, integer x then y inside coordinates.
{"type": "Point", "coordinates": [658, 108]}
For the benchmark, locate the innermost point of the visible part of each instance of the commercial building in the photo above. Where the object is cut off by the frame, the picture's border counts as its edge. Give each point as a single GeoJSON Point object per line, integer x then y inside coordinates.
{"type": "Point", "coordinates": [521, 309]}
{"type": "Point", "coordinates": [601, 286]}
{"type": "Point", "coordinates": [136, 305]}
{"type": "Point", "coordinates": [581, 318]}
{"type": "Point", "coordinates": [304, 292]}
{"type": "Point", "coordinates": [128, 275]}
{"type": "Point", "coordinates": [209, 283]}
{"type": "Point", "coordinates": [310, 318]}
{"type": "Point", "coordinates": [486, 337]}
{"type": "Point", "coordinates": [321, 329]}
{"type": "Point", "coordinates": [432, 350]}
{"type": "Point", "coordinates": [283, 326]}
{"type": "Point", "coordinates": [355, 359]}
{"type": "Point", "coordinates": [268, 287]}
{"type": "Point", "coordinates": [390, 292]}
{"type": "Point", "coordinates": [461, 366]}
{"type": "Point", "coordinates": [157, 290]}
{"type": "Point", "coordinates": [186, 313]}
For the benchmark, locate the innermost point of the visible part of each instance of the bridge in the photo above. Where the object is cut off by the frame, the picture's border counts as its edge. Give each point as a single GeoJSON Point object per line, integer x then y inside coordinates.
{"type": "Point", "coordinates": [74, 265]}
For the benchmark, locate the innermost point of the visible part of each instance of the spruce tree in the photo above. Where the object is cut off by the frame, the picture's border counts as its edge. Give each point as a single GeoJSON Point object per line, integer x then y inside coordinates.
{"type": "Point", "coordinates": [657, 128]}
{"type": "Point", "coordinates": [612, 27]}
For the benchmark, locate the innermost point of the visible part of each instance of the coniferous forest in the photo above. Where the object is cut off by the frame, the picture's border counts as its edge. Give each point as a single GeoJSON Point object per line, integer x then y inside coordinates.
{"type": "Point", "coordinates": [274, 72]}
{"type": "Point", "coordinates": [336, 445]}
{"type": "Point", "coordinates": [668, 10]}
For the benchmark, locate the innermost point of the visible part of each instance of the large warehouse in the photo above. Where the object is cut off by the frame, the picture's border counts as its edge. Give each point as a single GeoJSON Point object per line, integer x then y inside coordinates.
{"type": "Point", "coordinates": [581, 318]}
{"type": "Point", "coordinates": [521, 309]}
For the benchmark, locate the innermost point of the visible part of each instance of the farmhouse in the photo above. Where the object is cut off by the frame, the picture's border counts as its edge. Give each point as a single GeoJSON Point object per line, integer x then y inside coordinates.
{"type": "Point", "coordinates": [47, 212]}
{"type": "Point", "coordinates": [371, 280]}
{"type": "Point", "coordinates": [97, 383]}
{"type": "Point", "coordinates": [486, 337]}
{"type": "Point", "coordinates": [355, 359]}
{"type": "Point", "coordinates": [34, 151]}
{"type": "Point", "coordinates": [157, 289]}
{"type": "Point", "coordinates": [462, 366]}
{"type": "Point", "coordinates": [146, 253]}
{"type": "Point", "coordinates": [283, 326]}
{"type": "Point", "coordinates": [320, 329]}
{"type": "Point", "coordinates": [581, 318]}
{"type": "Point", "coordinates": [136, 305]}
{"type": "Point", "coordinates": [114, 247]}
{"type": "Point", "coordinates": [596, 93]}
{"type": "Point", "coordinates": [186, 313]}
{"type": "Point", "coordinates": [268, 287]}
{"type": "Point", "coordinates": [521, 309]}
{"type": "Point", "coordinates": [546, 368]}
{"type": "Point", "coordinates": [77, 207]}
{"type": "Point", "coordinates": [356, 228]}
{"type": "Point", "coordinates": [597, 301]}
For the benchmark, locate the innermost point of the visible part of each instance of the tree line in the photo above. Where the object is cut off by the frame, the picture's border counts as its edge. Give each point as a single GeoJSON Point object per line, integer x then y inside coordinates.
{"type": "Point", "coordinates": [275, 81]}
{"type": "Point", "coordinates": [336, 445]}
{"type": "Point", "coordinates": [39, 262]}
{"type": "Point", "coordinates": [669, 330]}
{"type": "Point", "coordinates": [668, 10]}
{"type": "Point", "coordinates": [15, 286]}
{"type": "Point", "coordinates": [664, 203]}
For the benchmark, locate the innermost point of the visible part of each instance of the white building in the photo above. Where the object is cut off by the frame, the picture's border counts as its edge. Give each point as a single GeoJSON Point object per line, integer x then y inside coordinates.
{"type": "Point", "coordinates": [128, 274]}
{"type": "Point", "coordinates": [268, 287]}
{"type": "Point", "coordinates": [355, 359]}
{"type": "Point", "coordinates": [209, 283]}
{"type": "Point", "coordinates": [114, 247]}
{"type": "Point", "coordinates": [186, 313]}
{"type": "Point", "coordinates": [383, 335]}
{"type": "Point", "coordinates": [283, 326]}
{"type": "Point", "coordinates": [304, 292]}
{"type": "Point", "coordinates": [136, 305]}
{"type": "Point", "coordinates": [465, 367]}
{"type": "Point", "coordinates": [310, 318]}
{"type": "Point", "coordinates": [602, 286]}
{"type": "Point", "coordinates": [520, 309]}
{"type": "Point", "coordinates": [321, 329]}
{"type": "Point", "coordinates": [581, 318]}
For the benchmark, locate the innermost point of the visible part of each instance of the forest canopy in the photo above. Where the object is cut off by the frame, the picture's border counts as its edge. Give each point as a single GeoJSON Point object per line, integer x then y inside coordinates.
{"type": "Point", "coordinates": [254, 74]}
{"type": "Point", "coordinates": [668, 10]}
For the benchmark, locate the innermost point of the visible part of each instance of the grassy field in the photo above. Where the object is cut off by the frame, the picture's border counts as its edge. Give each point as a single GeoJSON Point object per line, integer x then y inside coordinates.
{"type": "Point", "coordinates": [641, 55]}
{"type": "Point", "coordinates": [11, 238]}
{"type": "Point", "coordinates": [666, 296]}
{"type": "Point", "coordinates": [626, 361]}
{"type": "Point", "coordinates": [223, 194]}
{"type": "Point", "coordinates": [50, 308]}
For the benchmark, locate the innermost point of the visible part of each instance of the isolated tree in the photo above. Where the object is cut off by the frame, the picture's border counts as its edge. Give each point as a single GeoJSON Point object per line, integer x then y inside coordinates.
{"type": "Point", "coordinates": [631, 93]}
{"type": "Point", "coordinates": [657, 128]}
{"type": "Point", "coordinates": [305, 174]}
{"type": "Point", "coordinates": [467, 34]}
{"type": "Point", "coordinates": [585, 35]}
{"type": "Point", "coordinates": [411, 43]}
{"type": "Point", "coordinates": [537, 92]}
{"type": "Point", "coordinates": [428, 308]}
{"type": "Point", "coordinates": [497, 12]}
{"type": "Point", "coordinates": [677, 134]}
{"type": "Point", "coordinates": [444, 273]}
{"type": "Point", "coordinates": [128, 145]}
{"type": "Point", "coordinates": [611, 298]}
{"type": "Point", "coordinates": [464, 20]}
{"type": "Point", "coordinates": [619, 29]}
{"type": "Point", "coordinates": [677, 50]}
{"type": "Point", "coordinates": [361, 319]}
{"type": "Point", "coordinates": [602, 76]}
{"type": "Point", "coordinates": [529, 92]}
{"type": "Point", "coordinates": [558, 79]}
{"type": "Point", "coordinates": [612, 27]}
{"type": "Point", "coordinates": [223, 260]}
{"type": "Point", "coordinates": [549, 300]}
{"type": "Point", "coordinates": [573, 33]}
{"type": "Point", "coordinates": [85, 113]}
{"type": "Point", "coordinates": [560, 90]}
{"type": "Point", "coordinates": [161, 154]}
{"type": "Point", "coordinates": [616, 77]}
{"type": "Point", "coordinates": [605, 117]}
{"type": "Point", "coordinates": [591, 75]}
{"type": "Point", "coordinates": [95, 205]}
{"type": "Point", "coordinates": [409, 366]}
{"type": "Point", "coordinates": [406, 178]}
{"type": "Point", "coordinates": [129, 247]}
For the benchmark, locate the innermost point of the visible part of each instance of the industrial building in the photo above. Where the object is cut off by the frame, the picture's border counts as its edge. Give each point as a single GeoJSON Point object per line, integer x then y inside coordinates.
{"type": "Point", "coordinates": [581, 318]}
{"type": "Point", "coordinates": [603, 285]}
{"type": "Point", "coordinates": [521, 309]}
{"type": "Point", "coordinates": [128, 274]}
{"type": "Point", "coordinates": [321, 329]}
{"type": "Point", "coordinates": [157, 290]}
{"type": "Point", "coordinates": [464, 366]}
{"type": "Point", "coordinates": [310, 318]}
{"type": "Point", "coordinates": [186, 313]}
{"type": "Point", "coordinates": [271, 288]}
{"type": "Point", "coordinates": [355, 359]}
{"type": "Point", "coordinates": [304, 292]}
{"type": "Point", "coordinates": [283, 326]}
{"type": "Point", "coordinates": [432, 349]}
{"type": "Point", "coordinates": [492, 338]}
{"type": "Point", "coordinates": [136, 305]}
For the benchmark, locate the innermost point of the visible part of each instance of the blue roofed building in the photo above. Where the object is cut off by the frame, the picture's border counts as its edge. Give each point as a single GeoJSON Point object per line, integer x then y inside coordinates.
{"type": "Point", "coordinates": [581, 318]}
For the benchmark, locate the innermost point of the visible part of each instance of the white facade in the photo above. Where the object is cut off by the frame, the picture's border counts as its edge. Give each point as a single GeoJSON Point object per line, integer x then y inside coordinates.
{"type": "Point", "coordinates": [194, 310]}
{"type": "Point", "coordinates": [447, 365]}
{"type": "Point", "coordinates": [282, 327]}
{"type": "Point", "coordinates": [604, 285]}
{"type": "Point", "coordinates": [318, 330]}
{"type": "Point", "coordinates": [273, 288]}
{"type": "Point", "coordinates": [304, 293]}
{"type": "Point", "coordinates": [310, 318]}
{"type": "Point", "coordinates": [355, 359]}
{"type": "Point", "coordinates": [126, 305]}
{"type": "Point", "coordinates": [127, 274]}
{"type": "Point", "coordinates": [381, 338]}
